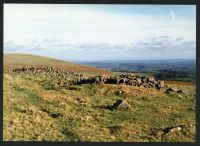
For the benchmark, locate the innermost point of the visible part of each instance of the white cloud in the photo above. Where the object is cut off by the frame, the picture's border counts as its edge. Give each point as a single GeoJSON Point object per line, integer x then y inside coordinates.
{"type": "Point", "coordinates": [148, 48]}
{"type": "Point", "coordinates": [69, 31]}
{"type": "Point", "coordinates": [71, 24]}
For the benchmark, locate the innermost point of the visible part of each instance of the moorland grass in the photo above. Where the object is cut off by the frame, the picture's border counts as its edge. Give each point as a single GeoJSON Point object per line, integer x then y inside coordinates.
{"type": "Point", "coordinates": [34, 109]}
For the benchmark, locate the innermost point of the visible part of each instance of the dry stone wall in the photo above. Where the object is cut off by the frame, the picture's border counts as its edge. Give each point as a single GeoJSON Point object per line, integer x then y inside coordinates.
{"type": "Point", "coordinates": [72, 78]}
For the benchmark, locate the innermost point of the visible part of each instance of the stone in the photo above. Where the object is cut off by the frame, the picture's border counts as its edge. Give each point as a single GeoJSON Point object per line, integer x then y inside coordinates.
{"type": "Point", "coordinates": [131, 82]}
{"type": "Point", "coordinates": [117, 80]}
{"type": "Point", "coordinates": [180, 96]}
{"type": "Point", "coordinates": [150, 84]}
{"type": "Point", "coordinates": [119, 92]}
{"type": "Point", "coordinates": [81, 100]}
{"type": "Point", "coordinates": [171, 89]}
{"type": "Point", "coordinates": [179, 91]}
{"type": "Point", "coordinates": [175, 89]}
{"type": "Point", "coordinates": [143, 79]}
{"type": "Point", "coordinates": [111, 81]}
{"type": "Point", "coordinates": [130, 75]}
{"type": "Point", "coordinates": [56, 115]}
{"type": "Point", "coordinates": [172, 129]}
{"type": "Point", "coordinates": [121, 104]}
{"type": "Point", "coordinates": [157, 85]}
{"type": "Point", "coordinates": [162, 84]}
{"type": "Point", "coordinates": [122, 80]}
{"type": "Point", "coordinates": [151, 79]}
{"type": "Point", "coordinates": [112, 137]}
{"type": "Point", "coordinates": [97, 79]}
{"type": "Point", "coordinates": [138, 81]}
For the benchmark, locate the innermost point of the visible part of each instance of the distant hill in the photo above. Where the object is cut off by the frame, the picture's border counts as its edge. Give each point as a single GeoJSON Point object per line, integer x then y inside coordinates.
{"type": "Point", "coordinates": [18, 60]}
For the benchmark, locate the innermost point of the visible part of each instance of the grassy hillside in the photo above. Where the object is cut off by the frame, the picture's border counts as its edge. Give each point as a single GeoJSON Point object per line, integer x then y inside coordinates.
{"type": "Point", "coordinates": [18, 60]}
{"type": "Point", "coordinates": [36, 110]}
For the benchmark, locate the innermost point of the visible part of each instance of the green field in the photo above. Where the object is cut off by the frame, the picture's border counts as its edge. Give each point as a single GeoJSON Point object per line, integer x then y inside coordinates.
{"type": "Point", "coordinates": [37, 110]}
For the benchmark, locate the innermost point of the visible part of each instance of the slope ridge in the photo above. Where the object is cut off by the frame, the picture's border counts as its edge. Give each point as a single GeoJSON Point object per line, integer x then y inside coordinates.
{"type": "Point", "coordinates": [18, 60]}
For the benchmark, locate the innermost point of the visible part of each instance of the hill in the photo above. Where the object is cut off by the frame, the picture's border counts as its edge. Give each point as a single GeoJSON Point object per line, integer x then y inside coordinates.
{"type": "Point", "coordinates": [51, 104]}
{"type": "Point", "coordinates": [12, 61]}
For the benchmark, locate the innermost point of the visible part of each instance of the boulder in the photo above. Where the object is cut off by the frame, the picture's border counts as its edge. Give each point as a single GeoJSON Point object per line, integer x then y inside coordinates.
{"type": "Point", "coordinates": [143, 79]}
{"type": "Point", "coordinates": [131, 75]}
{"type": "Point", "coordinates": [162, 84]}
{"type": "Point", "coordinates": [121, 104]}
{"type": "Point", "coordinates": [97, 79]}
{"type": "Point", "coordinates": [139, 81]}
{"type": "Point", "coordinates": [171, 89]}
{"type": "Point", "coordinates": [151, 80]}
{"type": "Point", "coordinates": [172, 129]}
{"type": "Point", "coordinates": [158, 86]}
{"type": "Point", "coordinates": [122, 80]}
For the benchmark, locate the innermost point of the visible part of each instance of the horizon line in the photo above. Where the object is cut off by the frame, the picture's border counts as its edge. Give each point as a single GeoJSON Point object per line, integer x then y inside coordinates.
{"type": "Point", "coordinates": [74, 60]}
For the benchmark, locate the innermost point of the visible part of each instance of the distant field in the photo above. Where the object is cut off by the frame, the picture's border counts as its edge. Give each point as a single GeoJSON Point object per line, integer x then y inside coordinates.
{"type": "Point", "coordinates": [190, 80]}
{"type": "Point", "coordinates": [174, 70]}
{"type": "Point", "coordinates": [181, 83]}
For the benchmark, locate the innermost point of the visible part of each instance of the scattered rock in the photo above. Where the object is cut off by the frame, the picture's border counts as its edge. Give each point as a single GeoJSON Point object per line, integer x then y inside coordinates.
{"type": "Point", "coordinates": [119, 92]}
{"type": "Point", "coordinates": [192, 125]}
{"type": "Point", "coordinates": [112, 137]}
{"type": "Point", "coordinates": [56, 115]}
{"type": "Point", "coordinates": [171, 89]}
{"type": "Point", "coordinates": [172, 129]}
{"type": "Point", "coordinates": [120, 104]}
{"type": "Point", "coordinates": [180, 96]}
{"type": "Point", "coordinates": [81, 100]}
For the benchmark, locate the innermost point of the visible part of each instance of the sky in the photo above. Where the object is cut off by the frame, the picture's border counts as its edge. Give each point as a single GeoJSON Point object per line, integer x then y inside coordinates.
{"type": "Point", "coordinates": [101, 32]}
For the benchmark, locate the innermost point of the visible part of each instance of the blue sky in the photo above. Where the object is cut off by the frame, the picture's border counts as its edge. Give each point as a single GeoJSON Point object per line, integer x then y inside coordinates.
{"type": "Point", "coordinates": [101, 32]}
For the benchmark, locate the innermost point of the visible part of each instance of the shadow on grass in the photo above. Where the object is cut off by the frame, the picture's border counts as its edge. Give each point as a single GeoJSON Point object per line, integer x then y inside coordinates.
{"type": "Point", "coordinates": [70, 134]}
